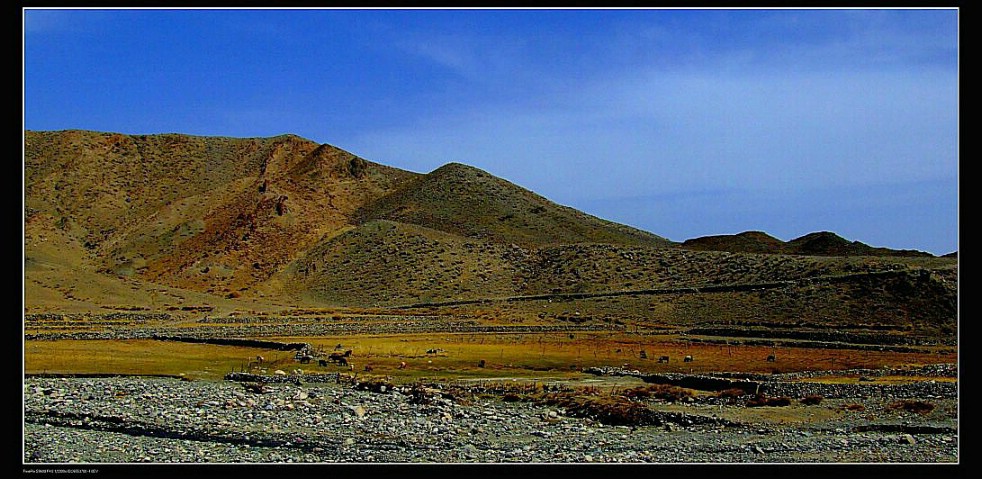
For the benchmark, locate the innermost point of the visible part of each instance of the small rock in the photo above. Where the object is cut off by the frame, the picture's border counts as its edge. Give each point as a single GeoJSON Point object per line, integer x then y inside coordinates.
{"type": "Point", "coordinates": [358, 411]}
{"type": "Point", "coordinates": [908, 439]}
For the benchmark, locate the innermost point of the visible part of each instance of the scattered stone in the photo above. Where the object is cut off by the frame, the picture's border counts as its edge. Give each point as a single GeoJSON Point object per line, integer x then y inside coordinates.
{"type": "Point", "coordinates": [185, 422]}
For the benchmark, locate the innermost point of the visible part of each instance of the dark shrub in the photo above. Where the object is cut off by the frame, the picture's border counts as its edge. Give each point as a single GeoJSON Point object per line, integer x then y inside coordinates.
{"type": "Point", "coordinates": [357, 167]}
{"type": "Point", "coordinates": [731, 393]}
{"type": "Point", "coordinates": [812, 400]}
{"type": "Point", "coordinates": [910, 405]}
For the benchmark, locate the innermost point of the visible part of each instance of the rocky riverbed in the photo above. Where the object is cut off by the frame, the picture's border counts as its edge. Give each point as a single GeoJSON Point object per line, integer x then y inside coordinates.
{"type": "Point", "coordinates": [164, 420]}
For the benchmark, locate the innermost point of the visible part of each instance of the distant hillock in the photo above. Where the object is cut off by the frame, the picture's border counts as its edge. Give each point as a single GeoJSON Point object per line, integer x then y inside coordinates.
{"type": "Point", "coordinates": [746, 242]}
{"type": "Point", "coordinates": [822, 243]}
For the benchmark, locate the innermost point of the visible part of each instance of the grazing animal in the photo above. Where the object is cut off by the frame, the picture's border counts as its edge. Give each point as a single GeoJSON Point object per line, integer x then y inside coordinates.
{"type": "Point", "coordinates": [644, 354]}
{"type": "Point", "coordinates": [340, 358]}
{"type": "Point", "coordinates": [260, 359]}
{"type": "Point", "coordinates": [338, 347]}
{"type": "Point", "coordinates": [481, 364]}
{"type": "Point", "coordinates": [305, 359]}
{"type": "Point", "coordinates": [687, 359]}
{"type": "Point", "coordinates": [322, 362]}
{"type": "Point", "coordinates": [771, 358]}
{"type": "Point", "coordinates": [402, 365]}
{"type": "Point", "coordinates": [663, 359]}
{"type": "Point", "coordinates": [368, 368]}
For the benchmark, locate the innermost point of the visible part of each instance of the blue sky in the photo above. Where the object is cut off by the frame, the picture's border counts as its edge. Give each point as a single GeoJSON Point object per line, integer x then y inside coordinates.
{"type": "Point", "coordinates": [684, 123]}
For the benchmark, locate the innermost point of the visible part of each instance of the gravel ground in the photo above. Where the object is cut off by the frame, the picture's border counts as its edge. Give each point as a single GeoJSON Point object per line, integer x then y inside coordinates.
{"type": "Point", "coordinates": [163, 420]}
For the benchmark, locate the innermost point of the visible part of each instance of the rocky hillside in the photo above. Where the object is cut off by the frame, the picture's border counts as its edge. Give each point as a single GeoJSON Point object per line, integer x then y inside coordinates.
{"type": "Point", "coordinates": [227, 216]}
{"type": "Point", "coordinates": [468, 202]}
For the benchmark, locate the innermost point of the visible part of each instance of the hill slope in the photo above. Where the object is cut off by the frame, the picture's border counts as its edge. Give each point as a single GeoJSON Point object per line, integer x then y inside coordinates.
{"type": "Point", "coordinates": [225, 215]}
{"type": "Point", "coordinates": [207, 213]}
{"type": "Point", "coordinates": [469, 202]}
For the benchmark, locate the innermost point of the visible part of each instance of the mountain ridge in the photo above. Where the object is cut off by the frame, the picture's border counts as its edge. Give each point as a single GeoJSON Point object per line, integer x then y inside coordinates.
{"type": "Point", "coordinates": [285, 220]}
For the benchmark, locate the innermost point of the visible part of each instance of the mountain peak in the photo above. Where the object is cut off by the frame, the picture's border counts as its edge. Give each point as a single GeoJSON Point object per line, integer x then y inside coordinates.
{"type": "Point", "coordinates": [470, 202]}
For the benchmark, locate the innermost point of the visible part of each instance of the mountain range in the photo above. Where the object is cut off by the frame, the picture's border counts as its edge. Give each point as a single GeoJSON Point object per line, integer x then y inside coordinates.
{"type": "Point", "coordinates": [111, 219]}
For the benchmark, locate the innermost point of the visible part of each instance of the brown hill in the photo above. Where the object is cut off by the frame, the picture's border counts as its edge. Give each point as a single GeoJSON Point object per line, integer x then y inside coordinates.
{"type": "Point", "coordinates": [207, 213]}
{"type": "Point", "coordinates": [825, 243]}
{"type": "Point", "coordinates": [224, 215]}
{"type": "Point", "coordinates": [746, 242]}
{"type": "Point", "coordinates": [821, 243]}
{"type": "Point", "coordinates": [469, 202]}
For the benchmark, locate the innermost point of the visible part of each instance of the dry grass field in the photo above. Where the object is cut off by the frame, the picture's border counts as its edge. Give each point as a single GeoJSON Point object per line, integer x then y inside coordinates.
{"type": "Point", "coordinates": [458, 356]}
{"type": "Point", "coordinates": [134, 357]}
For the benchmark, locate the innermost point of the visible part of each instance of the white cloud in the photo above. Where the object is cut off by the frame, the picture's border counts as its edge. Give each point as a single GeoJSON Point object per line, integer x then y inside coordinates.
{"type": "Point", "coordinates": [795, 101]}
{"type": "Point", "coordinates": [674, 132]}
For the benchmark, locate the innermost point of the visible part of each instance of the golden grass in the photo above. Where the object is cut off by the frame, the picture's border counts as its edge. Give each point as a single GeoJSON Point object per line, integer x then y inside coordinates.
{"type": "Point", "coordinates": [532, 356]}
{"type": "Point", "coordinates": [141, 356]}
{"type": "Point", "coordinates": [787, 415]}
{"type": "Point", "coordinates": [853, 379]}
